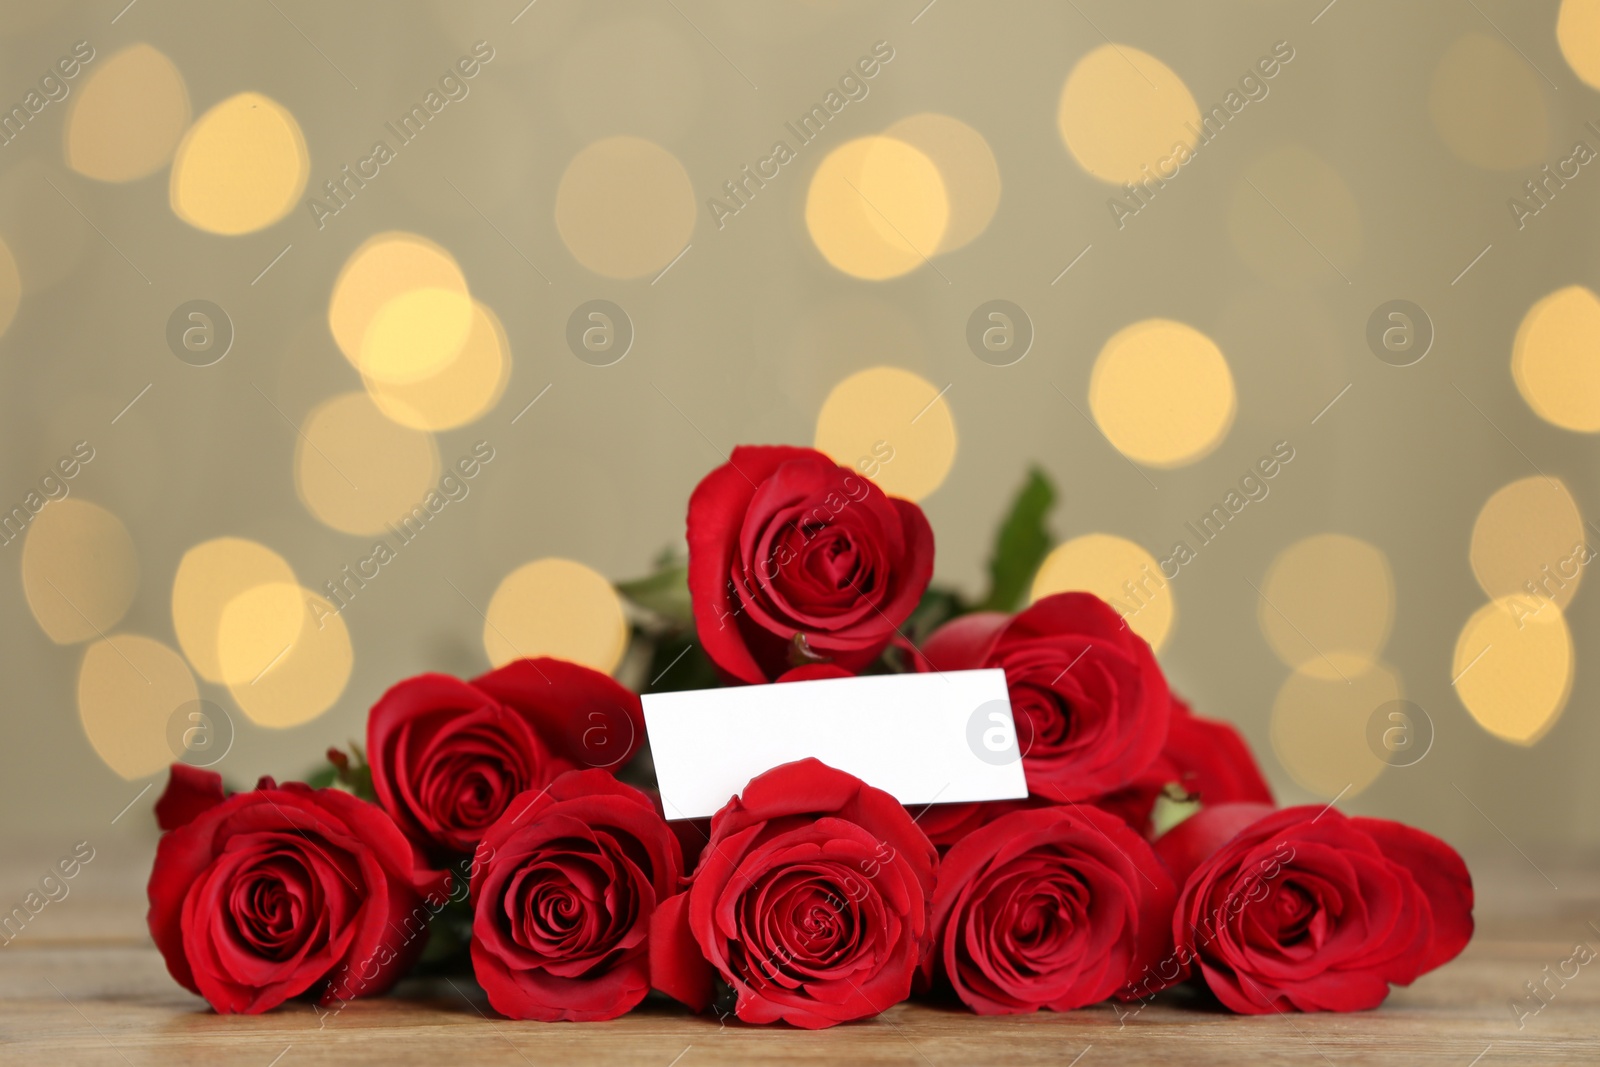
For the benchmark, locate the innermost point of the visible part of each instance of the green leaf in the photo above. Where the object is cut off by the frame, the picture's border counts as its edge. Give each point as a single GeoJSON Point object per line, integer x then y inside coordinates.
{"type": "Point", "coordinates": [323, 777]}
{"type": "Point", "coordinates": [666, 593]}
{"type": "Point", "coordinates": [1021, 544]}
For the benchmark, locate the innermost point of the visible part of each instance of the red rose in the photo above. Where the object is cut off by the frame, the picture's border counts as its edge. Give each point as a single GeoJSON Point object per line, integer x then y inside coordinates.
{"type": "Point", "coordinates": [1052, 907]}
{"type": "Point", "coordinates": [1308, 909]}
{"type": "Point", "coordinates": [1090, 703]}
{"type": "Point", "coordinates": [811, 901]}
{"type": "Point", "coordinates": [447, 756]}
{"type": "Point", "coordinates": [1204, 760]}
{"type": "Point", "coordinates": [945, 824]}
{"type": "Point", "coordinates": [272, 893]}
{"type": "Point", "coordinates": [793, 558]}
{"type": "Point", "coordinates": [567, 881]}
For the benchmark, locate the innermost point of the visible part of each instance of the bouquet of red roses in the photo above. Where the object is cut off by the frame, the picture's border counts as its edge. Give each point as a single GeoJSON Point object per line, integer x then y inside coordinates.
{"type": "Point", "coordinates": [507, 823]}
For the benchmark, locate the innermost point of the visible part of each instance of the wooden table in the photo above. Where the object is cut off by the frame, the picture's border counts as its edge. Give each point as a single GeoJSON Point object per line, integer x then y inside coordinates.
{"type": "Point", "coordinates": [84, 985]}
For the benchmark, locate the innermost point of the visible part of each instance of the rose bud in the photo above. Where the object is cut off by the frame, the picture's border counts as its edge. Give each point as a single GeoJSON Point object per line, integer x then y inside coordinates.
{"type": "Point", "coordinates": [284, 890]}
{"type": "Point", "coordinates": [811, 901]}
{"type": "Point", "coordinates": [1054, 907]}
{"type": "Point", "coordinates": [566, 884]}
{"type": "Point", "coordinates": [447, 756]}
{"type": "Point", "coordinates": [1090, 704]}
{"type": "Point", "coordinates": [1204, 760]}
{"type": "Point", "coordinates": [794, 559]}
{"type": "Point", "coordinates": [1308, 909]}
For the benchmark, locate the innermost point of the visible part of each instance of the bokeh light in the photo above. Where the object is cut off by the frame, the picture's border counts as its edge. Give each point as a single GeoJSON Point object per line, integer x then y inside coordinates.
{"type": "Point", "coordinates": [877, 208]}
{"type": "Point", "coordinates": [1513, 669]}
{"type": "Point", "coordinates": [1327, 606]}
{"type": "Point", "coordinates": [1123, 110]}
{"type": "Point", "coordinates": [357, 470]}
{"type": "Point", "coordinates": [301, 679]}
{"type": "Point", "coordinates": [1319, 728]}
{"type": "Point", "coordinates": [966, 165]}
{"type": "Point", "coordinates": [464, 390]}
{"type": "Point", "coordinates": [1488, 105]}
{"type": "Point", "coordinates": [556, 607]}
{"type": "Point", "coordinates": [256, 629]}
{"type": "Point", "coordinates": [1162, 393]}
{"type": "Point", "coordinates": [1555, 359]}
{"type": "Point", "coordinates": [210, 576]}
{"type": "Point", "coordinates": [129, 687]}
{"type": "Point", "coordinates": [1324, 239]}
{"type": "Point", "coordinates": [1528, 541]}
{"type": "Point", "coordinates": [1117, 571]}
{"type": "Point", "coordinates": [892, 426]}
{"type": "Point", "coordinates": [1578, 34]}
{"type": "Point", "coordinates": [400, 310]}
{"type": "Point", "coordinates": [79, 570]}
{"type": "Point", "coordinates": [625, 207]}
{"type": "Point", "coordinates": [241, 167]}
{"type": "Point", "coordinates": [126, 119]}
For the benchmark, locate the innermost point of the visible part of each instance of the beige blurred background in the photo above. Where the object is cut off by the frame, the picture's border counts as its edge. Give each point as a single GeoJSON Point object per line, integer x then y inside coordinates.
{"type": "Point", "coordinates": [425, 328]}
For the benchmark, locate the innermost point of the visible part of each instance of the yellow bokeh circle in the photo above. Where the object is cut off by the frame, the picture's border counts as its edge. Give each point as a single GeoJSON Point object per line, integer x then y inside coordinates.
{"type": "Point", "coordinates": [892, 426]}
{"type": "Point", "coordinates": [126, 119]}
{"type": "Point", "coordinates": [357, 470]}
{"type": "Point", "coordinates": [400, 310]}
{"type": "Point", "coordinates": [129, 687]}
{"type": "Point", "coordinates": [1513, 668]}
{"type": "Point", "coordinates": [877, 208]}
{"type": "Point", "coordinates": [464, 390]}
{"type": "Point", "coordinates": [1162, 393]}
{"type": "Point", "coordinates": [283, 686]}
{"type": "Point", "coordinates": [210, 576]}
{"type": "Point", "coordinates": [1319, 728]}
{"type": "Point", "coordinates": [556, 607]}
{"type": "Point", "coordinates": [1529, 542]}
{"type": "Point", "coordinates": [79, 570]}
{"type": "Point", "coordinates": [625, 207]}
{"type": "Point", "coordinates": [1555, 359]}
{"type": "Point", "coordinates": [1117, 571]}
{"type": "Point", "coordinates": [415, 336]}
{"type": "Point", "coordinates": [1327, 605]}
{"type": "Point", "coordinates": [241, 167]}
{"type": "Point", "coordinates": [1122, 110]}
{"type": "Point", "coordinates": [966, 165]}
{"type": "Point", "coordinates": [1578, 34]}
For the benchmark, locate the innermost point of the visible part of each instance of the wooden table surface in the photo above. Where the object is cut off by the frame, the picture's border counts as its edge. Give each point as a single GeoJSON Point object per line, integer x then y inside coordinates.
{"type": "Point", "coordinates": [82, 984]}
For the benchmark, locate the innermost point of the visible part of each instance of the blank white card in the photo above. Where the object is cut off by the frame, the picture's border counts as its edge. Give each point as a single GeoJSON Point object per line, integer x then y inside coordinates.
{"type": "Point", "coordinates": [922, 738]}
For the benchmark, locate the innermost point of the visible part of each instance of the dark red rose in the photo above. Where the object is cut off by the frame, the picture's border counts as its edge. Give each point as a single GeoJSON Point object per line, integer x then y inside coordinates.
{"type": "Point", "coordinates": [813, 672]}
{"type": "Point", "coordinates": [566, 884]}
{"type": "Point", "coordinates": [1091, 705]}
{"type": "Point", "coordinates": [795, 559]}
{"type": "Point", "coordinates": [811, 901]}
{"type": "Point", "coordinates": [584, 717]}
{"type": "Point", "coordinates": [286, 890]}
{"type": "Point", "coordinates": [945, 824]}
{"type": "Point", "coordinates": [1308, 909]}
{"type": "Point", "coordinates": [190, 792]}
{"type": "Point", "coordinates": [447, 756]}
{"type": "Point", "coordinates": [1054, 907]}
{"type": "Point", "coordinates": [1204, 760]}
